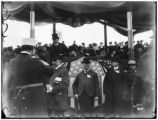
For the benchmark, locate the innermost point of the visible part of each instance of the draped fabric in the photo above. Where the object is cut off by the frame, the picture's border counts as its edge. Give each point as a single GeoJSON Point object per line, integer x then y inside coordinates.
{"type": "Point", "coordinates": [78, 13]}
{"type": "Point", "coordinates": [76, 67]}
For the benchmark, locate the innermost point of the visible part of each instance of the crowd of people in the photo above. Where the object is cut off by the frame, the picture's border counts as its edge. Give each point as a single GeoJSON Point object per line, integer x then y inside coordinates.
{"type": "Point", "coordinates": [32, 64]}
{"type": "Point", "coordinates": [48, 52]}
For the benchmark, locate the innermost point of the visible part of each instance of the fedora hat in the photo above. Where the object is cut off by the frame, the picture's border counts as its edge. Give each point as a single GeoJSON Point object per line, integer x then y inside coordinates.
{"type": "Point", "coordinates": [86, 60]}
{"type": "Point", "coordinates": [29, 41]}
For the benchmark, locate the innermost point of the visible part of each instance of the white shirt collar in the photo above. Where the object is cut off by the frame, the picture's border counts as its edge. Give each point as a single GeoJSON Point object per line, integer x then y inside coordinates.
{"type": "Point", "coordinates": [86, 70]}
{"type": "Point", "coordinates": [26, 52]}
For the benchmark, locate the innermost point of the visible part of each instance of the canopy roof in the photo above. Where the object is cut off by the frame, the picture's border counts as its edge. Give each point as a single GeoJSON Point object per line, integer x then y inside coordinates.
{"type": "Point", "coordinates": [77, 13]}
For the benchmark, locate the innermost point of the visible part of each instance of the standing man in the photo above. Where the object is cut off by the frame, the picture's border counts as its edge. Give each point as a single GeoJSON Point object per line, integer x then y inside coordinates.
{"type": "Point", "coordinates": [56, 49]}
{"type": "Point", "coordinates": [23, 91]}
{"type": "Point", "coordinates": [57, 90]}
{"type": "Point", "coordinates": [138, 88]}
{"type": "Point", "coordinates": [102, 48]}
{"type": "Point", "coordinates": [86, 87]}
{"type": "Point", "coordinates": [113, 87]}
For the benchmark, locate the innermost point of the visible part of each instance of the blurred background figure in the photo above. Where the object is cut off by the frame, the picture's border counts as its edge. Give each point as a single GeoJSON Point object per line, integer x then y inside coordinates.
{"type": "Point", "coordinates": [73, 50]}
{"type": "Point", "coordinates": [56, 49]}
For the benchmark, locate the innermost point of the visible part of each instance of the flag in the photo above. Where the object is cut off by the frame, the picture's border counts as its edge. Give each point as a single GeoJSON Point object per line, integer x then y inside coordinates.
{"type": "Point", "coordinates": [76, 67]}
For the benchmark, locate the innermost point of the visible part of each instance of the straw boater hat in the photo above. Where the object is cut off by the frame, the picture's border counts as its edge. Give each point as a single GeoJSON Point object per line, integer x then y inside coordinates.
{"type": "Point", "coordinates": [29, 41]}
{"type": "Point", "coordinates": [131, 62]}
{"type": "Point", "coordinates": [86, 61]}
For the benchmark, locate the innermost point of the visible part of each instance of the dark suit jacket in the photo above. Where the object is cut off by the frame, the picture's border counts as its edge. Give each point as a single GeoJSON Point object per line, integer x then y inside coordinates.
{"type": "Point", "coordinates": [26, 70]}
{"type": "Point", "coordinates": [56, 51]}
{"type": "Point", "coordinates": [113, 85]}
{"type": "Point", "coordinates": [57, 100]}
{"type": "Point", "coordinates": [73, 47]}
{"type": "Point", "coordinates": [86, 81]}
{"type": "Point", "coordinates": [138, 87]}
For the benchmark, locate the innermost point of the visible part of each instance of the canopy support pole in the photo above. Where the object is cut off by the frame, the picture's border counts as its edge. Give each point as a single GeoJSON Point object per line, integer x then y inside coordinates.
{"type": "Point", "coordinates": [130, 35]}
{"type": "Point", "coordinates": [54, 28]}
{"type": "Point", "coordinates": [32, 22]}
{"type": "Point", "coordinates": [105, 37]}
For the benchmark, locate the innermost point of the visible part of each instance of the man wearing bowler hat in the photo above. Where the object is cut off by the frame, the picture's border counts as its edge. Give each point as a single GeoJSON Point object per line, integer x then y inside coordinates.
{"type": "Point", "coordinates": [23, 86]}
{"type": "Point", "coordinates": [86, 87]}
{"type": "Point", "coordinates": [57, 49]}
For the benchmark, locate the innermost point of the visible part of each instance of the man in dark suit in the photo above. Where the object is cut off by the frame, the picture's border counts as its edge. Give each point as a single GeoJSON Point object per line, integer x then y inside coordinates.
{"type": "Point", "coordinates": [138, 87]}
{"type": "Point", "coordinates": [57, 90]}
{"type": "Point", "coordinates": [86, 87]}
{"type": "Point", "coordinates": [57, 49]}
{"type": "Point", "coordinates": [23, 86]}
{"type": "Point", "coordinates": [113, 87]}
{"type": "Point", "coordinates": [73, 48]}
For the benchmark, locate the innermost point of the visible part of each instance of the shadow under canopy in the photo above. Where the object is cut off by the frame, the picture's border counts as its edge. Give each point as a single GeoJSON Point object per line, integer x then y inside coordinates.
{"type": "Point", "coordinates": [78, 13]}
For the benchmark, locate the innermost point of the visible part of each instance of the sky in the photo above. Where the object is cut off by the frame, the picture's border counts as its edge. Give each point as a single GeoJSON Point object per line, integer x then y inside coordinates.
{"type": "Point", "coordinates": [88, 33]}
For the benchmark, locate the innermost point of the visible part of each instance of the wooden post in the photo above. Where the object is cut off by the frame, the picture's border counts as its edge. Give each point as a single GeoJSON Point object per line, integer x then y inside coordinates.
{"type": "Point", "coordinates": [102, 90]}
{"type": "Point", "coordinates": [72, 102]}
{"type": "Point", "coordinates": [154, 29]}
{"type": "Point", "coordinates": [130, 35]}
{"type": "Point", "coordinates": [54, 28]}
{"type": "Point", "coordinates": [32, 22]}
{"type": "Point", "coordinates": [105, 37]}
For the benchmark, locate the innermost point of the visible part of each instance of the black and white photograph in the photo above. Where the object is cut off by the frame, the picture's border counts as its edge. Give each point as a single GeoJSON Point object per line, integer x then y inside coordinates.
{"type": "Point", "coordinates": [78, 59]}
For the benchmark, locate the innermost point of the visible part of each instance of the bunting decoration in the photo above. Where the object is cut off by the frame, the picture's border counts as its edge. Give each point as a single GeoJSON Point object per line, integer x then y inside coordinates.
{"type": "Point", "coordinates": [76, 67]}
